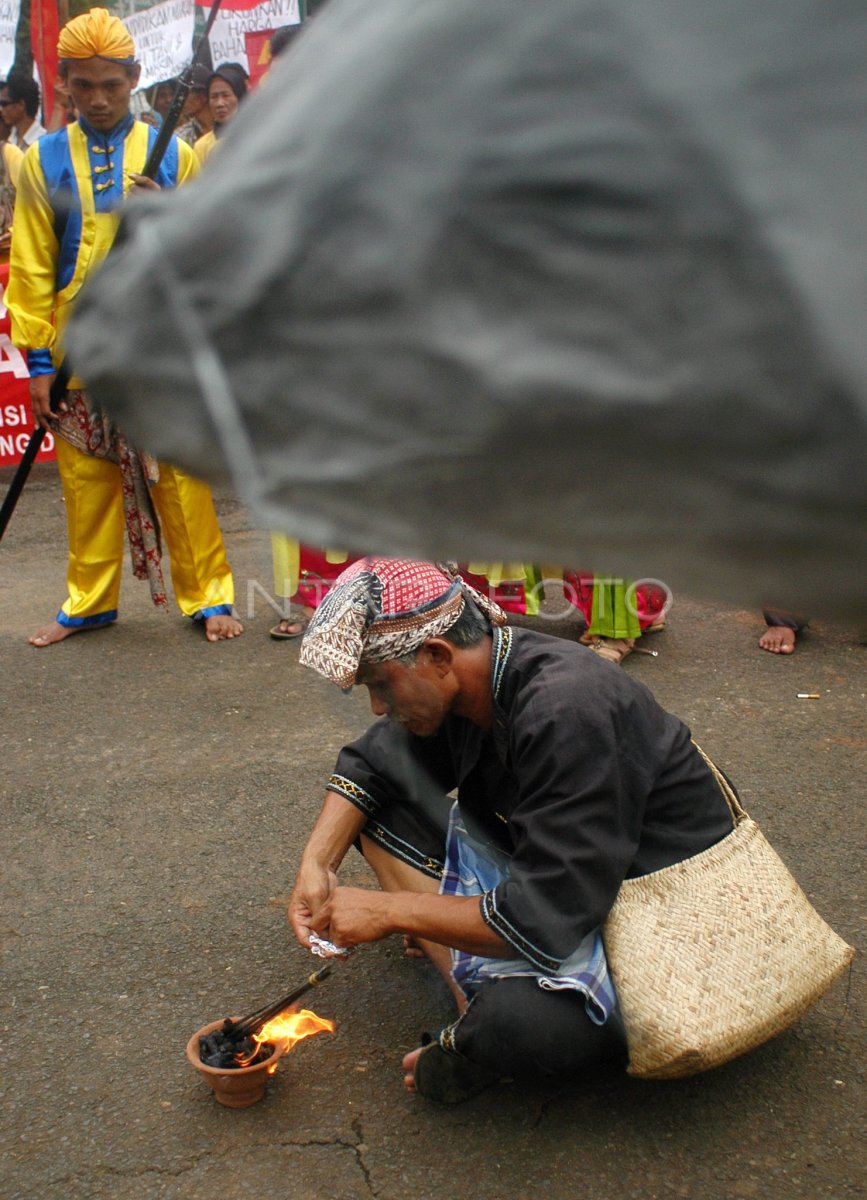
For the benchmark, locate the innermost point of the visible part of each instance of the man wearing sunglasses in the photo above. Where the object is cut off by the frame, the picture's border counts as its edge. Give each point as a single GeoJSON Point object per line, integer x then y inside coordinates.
{"type": "Point", "coordinates": [19, 108]}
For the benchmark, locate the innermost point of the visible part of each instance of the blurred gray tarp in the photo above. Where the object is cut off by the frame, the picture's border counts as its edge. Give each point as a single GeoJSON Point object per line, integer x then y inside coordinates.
{"type": "Point", "coordinates": [569, 281]}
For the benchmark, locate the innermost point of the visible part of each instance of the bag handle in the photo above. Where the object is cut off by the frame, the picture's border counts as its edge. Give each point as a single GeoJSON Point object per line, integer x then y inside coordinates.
{"type": "Point", "coordinates": [738, 813]}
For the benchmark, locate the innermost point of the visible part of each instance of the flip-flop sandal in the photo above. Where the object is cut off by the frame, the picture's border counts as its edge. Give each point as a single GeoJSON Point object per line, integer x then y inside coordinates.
{"type": "Point", "coordinates": [613, 650]}
{"type": "Point", "coordinates": [281, 635]}
{"type": "Point", "coordinates": [449, 1078]}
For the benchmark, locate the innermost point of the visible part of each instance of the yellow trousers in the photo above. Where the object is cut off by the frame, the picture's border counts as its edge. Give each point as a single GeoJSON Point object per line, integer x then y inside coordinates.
{"type": "Point", "coordinates": [286, 557]}
{"type": "Point", "coordinates": [200, 572]}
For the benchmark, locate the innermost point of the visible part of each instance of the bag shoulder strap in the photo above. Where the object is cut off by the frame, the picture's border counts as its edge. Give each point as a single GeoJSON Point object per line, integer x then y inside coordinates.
{"type": "Point", "coordinates": [738, 813]}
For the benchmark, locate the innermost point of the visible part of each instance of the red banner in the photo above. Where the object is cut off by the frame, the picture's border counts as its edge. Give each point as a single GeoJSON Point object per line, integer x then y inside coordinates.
{"type": "Point", "coordinates": [44, 32]}
{"type": "Point", "coordinates": [258, 54]}
{"type": "Point", "coordinates": [231, 5]}
{"type": "Point", "coordinates": [16, 419]}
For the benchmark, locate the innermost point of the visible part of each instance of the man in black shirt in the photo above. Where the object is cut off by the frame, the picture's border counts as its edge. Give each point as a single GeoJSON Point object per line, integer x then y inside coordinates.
{"type": "Point", "coordinates": [569, 777]}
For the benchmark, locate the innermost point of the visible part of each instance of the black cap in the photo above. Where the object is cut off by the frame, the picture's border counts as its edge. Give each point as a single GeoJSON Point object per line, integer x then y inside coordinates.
{"type": "Point", "coordinates": [199, 78]}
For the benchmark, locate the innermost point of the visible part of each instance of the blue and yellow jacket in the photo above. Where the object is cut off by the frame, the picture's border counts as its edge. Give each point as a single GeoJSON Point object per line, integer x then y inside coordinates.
{"type": "Point", "coordinates": [71, 186]}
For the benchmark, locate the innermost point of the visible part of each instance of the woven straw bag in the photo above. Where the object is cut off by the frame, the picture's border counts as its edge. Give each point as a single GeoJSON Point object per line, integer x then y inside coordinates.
{"type": "Point", "coordinates": [714, 955]}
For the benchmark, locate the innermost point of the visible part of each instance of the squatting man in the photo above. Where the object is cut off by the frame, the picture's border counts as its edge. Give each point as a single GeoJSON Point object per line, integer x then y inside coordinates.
{"type": "Point", "coordinates": [569, 778]}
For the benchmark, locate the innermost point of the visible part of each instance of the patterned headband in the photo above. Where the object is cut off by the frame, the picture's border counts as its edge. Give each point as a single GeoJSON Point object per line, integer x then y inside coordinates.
{"type": "Point", "coordinates": [380, 609]}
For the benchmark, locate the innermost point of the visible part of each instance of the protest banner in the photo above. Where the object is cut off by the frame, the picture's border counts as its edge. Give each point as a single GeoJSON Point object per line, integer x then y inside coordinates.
{"type": "Point", "coordinates": [16, 418]}
{"type": "Point", "coordinates": [9, 13]}
{"type": "Point", "coordinates": [163, 37]}
{"type": "Point", "coordinates": [237, 18]}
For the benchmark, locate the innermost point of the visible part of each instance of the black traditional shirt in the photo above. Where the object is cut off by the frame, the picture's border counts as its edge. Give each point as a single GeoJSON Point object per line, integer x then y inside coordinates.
{"type": "Point", "coordinates": [583, 780]}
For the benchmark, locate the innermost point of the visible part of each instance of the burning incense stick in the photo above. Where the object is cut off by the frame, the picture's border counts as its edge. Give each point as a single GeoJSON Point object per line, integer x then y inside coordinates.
{"type": "Point", "coordinates": [241, 1043]}
{"type": "Point", "coordinates": [249, 1025]}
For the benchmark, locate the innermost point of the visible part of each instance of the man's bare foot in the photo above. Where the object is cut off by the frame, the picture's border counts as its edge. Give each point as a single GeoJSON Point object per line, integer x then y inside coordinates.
{"type": "Point", "coordinates": [778, 639]}
{"type": "Point", "coordinates": [442, 1077]}
{"type": "Point", "coordinates": [221, 627]}
{"type": "Point", "coordinates": [55, 632]}
{"type": "Point", "coordinates": [408, 1064]}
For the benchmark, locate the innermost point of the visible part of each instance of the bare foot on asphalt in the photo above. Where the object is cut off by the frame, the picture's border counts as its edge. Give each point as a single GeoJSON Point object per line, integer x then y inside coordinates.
{"type": "Point", "coordinates": [221, 627]}
{"type": "Point", "coordinates": [408, 1064]}
{"type": "Point", "coordinates": [778, 639]}
{"type": "Point", "coordinates": [55, 632]}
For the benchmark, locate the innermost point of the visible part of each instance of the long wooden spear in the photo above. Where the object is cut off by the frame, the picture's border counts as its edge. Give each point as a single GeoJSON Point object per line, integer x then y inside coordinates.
{"type": "Point", "coordinates": [60, 383]}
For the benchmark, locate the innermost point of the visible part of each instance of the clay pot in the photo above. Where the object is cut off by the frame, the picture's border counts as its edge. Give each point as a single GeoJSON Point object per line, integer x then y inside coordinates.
{"type": "Point", "coordinates": [241, 1086]}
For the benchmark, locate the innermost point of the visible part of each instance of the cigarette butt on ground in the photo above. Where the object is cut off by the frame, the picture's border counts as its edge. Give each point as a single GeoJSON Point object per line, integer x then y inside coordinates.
{"type": "Point", "coordinates": [809, 696]}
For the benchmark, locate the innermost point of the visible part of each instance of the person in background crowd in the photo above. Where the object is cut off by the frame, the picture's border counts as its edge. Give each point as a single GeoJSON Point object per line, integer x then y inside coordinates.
{"type": "Point", "coordinates": [19, 100]}
{"type": "Point", "coordinates": [196, 119]}
{"type": "Point", "coordinates": [10, 165]}
{"type": "Point", "coordinates": [106, 483]}
{"type": "Point", "coordinates": [617, 611]}
{"type": "Point", "coordinates": [227, 87]}
{"type": "Point", "coordinates": [782, 632]}
{"type": "Point", "coordinates": [282, 39]}
{"type": "Point", "coordinates": [516, 587]}
{"type": "Point", "coordinates": [160, 99]}
{"type": "Point", "coordinates": [303, 576]}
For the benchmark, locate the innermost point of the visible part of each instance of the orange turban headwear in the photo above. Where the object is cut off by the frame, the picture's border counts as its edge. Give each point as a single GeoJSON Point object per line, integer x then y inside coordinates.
{"type": "Point", "coordinates": [96, 34]}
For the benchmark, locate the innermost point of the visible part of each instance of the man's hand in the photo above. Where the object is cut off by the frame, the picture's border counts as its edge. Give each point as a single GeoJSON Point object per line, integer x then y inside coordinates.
{"type": "Point", "coordinates": [338, 826]}
{"type": "Point", "coordinates": [350, 916]}
{"type": "Point", "coordinates": [40, 402]}
{"type": "Point", "coordinates": [312, 888]}
{"type": "Point", "coordinates": [142, 184]}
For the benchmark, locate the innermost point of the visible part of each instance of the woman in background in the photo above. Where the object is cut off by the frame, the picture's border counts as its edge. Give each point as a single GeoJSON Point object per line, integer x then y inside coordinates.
{"type": "Point", "coordinates": [227, 87]}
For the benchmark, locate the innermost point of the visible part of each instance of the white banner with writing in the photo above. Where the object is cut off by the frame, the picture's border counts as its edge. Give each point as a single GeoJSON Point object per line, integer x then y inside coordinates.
{"type": "Point", "coordinates": [163, 37]}
{"type": "Point", "coordinates": [227, 35]}
{"type": "Point", "coordinates": [9, 12]}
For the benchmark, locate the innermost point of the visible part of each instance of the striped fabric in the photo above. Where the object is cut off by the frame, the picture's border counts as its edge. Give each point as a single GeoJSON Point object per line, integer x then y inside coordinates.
{"type": "Point", "coordinates": [475, 870]}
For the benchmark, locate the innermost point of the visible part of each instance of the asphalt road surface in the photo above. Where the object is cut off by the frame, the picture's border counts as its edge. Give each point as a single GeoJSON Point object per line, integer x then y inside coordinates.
{"type": "Point", "coordinates": [156, 795]}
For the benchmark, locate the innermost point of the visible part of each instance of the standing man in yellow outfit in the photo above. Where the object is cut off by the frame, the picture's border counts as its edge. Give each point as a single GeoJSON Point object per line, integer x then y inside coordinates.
{"type": "Point", "coordinates": [71, 186]}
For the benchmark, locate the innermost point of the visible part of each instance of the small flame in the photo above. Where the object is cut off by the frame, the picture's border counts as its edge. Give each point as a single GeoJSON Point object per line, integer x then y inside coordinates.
{"type": "Point", "coordinates": [286, 1029]}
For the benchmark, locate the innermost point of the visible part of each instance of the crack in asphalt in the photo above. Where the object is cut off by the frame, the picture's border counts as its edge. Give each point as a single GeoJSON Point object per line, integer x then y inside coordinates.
{"type": "Point", "coordinates": [357, 1149]}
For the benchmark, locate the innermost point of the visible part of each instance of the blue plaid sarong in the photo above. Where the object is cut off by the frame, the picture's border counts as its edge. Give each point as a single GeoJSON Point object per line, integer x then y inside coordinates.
{"type": "Point", "coordinates": [471, 869]}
